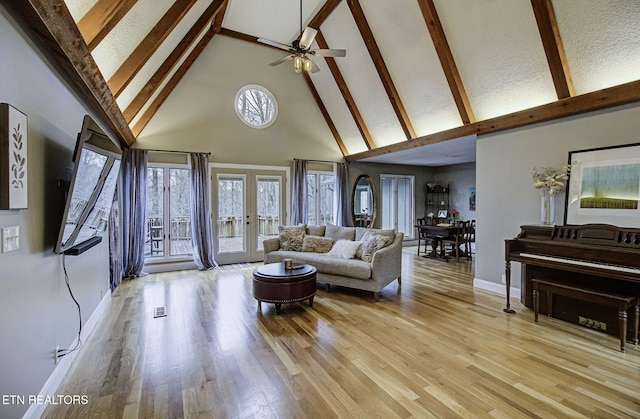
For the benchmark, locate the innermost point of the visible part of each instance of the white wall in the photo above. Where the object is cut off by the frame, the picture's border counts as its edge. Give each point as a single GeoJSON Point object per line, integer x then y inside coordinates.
{"type": "Point", "coordinates": [36, 311]}
{"type": "Point", "coordinates": [506, 198]}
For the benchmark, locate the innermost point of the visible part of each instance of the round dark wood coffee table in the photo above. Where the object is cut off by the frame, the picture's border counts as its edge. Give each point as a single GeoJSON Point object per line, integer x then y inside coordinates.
{"type": "Point", "coordinates": [274, 284]}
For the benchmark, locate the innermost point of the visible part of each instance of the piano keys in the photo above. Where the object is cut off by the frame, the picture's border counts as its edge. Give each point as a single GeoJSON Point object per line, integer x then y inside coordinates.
{"type": "Point", "coordinates": [594, 256]}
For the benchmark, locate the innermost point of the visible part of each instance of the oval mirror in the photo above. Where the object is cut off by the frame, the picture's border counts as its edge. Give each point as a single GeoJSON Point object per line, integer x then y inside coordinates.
{"type": "Point", "coordinates": [363, 202]}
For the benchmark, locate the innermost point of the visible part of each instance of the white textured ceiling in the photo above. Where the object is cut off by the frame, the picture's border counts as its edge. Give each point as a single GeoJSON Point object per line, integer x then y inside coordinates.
{"type": "Point", "coordinates": [495, 45]}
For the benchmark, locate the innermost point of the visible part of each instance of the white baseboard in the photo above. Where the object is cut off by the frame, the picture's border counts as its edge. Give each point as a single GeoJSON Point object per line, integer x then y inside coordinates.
{"type": "Point", "coordinates": [152, 268]}
{"type": "Point", "coordinates": [495, 287]}
{"type": "Point", "coordinates": [50, 388]}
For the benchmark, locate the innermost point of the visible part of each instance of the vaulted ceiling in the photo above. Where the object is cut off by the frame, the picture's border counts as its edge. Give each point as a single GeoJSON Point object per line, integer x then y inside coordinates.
{"type": "Point", "coordinates": [417, 72]}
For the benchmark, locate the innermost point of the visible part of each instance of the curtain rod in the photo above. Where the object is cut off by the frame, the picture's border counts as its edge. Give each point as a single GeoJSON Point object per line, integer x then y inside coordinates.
{"type": "Point", "coordinates": [175, 151]}
{"type": "Point", "coordinates": [319, 161]}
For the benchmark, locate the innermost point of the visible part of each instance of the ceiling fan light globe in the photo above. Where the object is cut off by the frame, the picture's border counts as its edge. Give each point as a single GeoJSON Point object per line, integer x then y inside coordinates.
{"type": "Point", "coordinates": [307, 65]}
{"type": "Point", "coordinates": [297, 64]}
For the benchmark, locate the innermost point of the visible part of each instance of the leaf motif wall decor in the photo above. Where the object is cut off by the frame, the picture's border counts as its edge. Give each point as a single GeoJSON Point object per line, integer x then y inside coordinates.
{"type": "Point", "coordinates": [13, 158]}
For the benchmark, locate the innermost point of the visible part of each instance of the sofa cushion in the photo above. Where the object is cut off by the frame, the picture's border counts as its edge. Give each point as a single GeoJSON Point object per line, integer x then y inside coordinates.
{"type": "Point", "coordinates": [340, 233]}
{"type": "Point", "coordinates": [316, 244]}
{"type": "Point", "coordinates": [351, 268]}
{"type": "Point", "coordinates": [344, 249]}
{"type": "Point", "coordinates": [371, 243]}
{"type": "Point", "coordinates": [316, 230]}
{"type": "Point", "coordinates": [291, 237]}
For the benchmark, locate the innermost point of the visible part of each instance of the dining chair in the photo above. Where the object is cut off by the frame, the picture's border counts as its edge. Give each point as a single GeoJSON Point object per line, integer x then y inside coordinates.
{"type": "Point", "coordinates": [457, 239]}
{"type": "Point", "coordinates": [422, 235]}
{"type": "Point", "coordinates": [470, 237]}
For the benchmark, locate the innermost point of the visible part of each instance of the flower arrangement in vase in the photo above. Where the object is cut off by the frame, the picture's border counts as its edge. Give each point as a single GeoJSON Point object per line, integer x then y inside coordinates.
{"type": "Point", "coordinates": [454, 215]}
{"type": "Point", "coordinates": [550, 181]}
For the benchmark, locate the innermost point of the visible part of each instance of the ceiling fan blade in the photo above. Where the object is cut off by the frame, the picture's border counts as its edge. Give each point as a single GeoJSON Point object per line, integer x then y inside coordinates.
{"type": "Point", "coordinates": [275, 44]}
{"type": "Point", "coordinates": [314, 67]}
{"type": "Point", "coordinates": [282, 60]}
{"type": "Point", "coordinates": [329, 52]}
{"type": "Point", "coordinates": [307, 37]}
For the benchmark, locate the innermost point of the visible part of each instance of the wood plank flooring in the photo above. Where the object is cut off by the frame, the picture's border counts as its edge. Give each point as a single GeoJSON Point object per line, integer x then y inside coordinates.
{"type": "Point", "coordinates": [434, 347]}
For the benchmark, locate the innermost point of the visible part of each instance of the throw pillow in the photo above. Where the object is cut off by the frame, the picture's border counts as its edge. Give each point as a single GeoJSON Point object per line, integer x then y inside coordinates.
{"type": "Point", "coordinates": [291, 237]}
{"type": "Point", "coordinates": [340, 233]}
{"type": "Point", "coordinates": [371, 243]}
{"type": "Point", "coordinates": [316, 244]}
{"type": "Point", "coordinates": [344, 249]}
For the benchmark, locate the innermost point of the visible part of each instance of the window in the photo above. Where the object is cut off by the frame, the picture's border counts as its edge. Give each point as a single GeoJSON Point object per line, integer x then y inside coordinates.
{"type": "Point", "coordinates": [256, 106]}
{"type": "Point", "coordinates": [320, 197]}
{"type": "Point", "coordinates": [398, 203]}
{"type": "Point", "coordinates": [168, 212]}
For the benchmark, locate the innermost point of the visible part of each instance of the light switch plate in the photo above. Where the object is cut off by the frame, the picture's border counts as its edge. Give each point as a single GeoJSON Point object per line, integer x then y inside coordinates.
{"type": "Point", "coordinates": [10, 238]}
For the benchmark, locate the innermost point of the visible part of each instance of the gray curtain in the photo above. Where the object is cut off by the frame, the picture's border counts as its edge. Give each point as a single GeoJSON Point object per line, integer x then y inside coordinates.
{"type": "Point", "coordinates": [115, 265]}
{"type": "Point", "coordinates": [342, 194]}
{"type": "Point", "coordinates": [134, 198]}
{"type": "Point", "coordinates": [299, 192]}
{"type": "Point", "coordinates": [201, 231]}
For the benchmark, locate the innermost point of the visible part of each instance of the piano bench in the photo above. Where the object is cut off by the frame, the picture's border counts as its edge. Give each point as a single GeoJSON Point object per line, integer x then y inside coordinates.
{"type": "Point", "coordinates": [621, 302]}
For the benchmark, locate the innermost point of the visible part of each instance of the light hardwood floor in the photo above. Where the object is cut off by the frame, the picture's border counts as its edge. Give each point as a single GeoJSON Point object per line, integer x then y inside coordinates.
{"type": "Point", "coordinates": [433, 347]}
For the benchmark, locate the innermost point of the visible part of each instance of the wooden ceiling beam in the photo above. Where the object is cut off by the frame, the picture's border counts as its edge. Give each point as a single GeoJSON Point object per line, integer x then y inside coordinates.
{"type": "Point", "coordinates": [138, 58]}
{"type": "Point", "coordinates": [54, 29]}
{"type": "Point", "coordinates": [243, 37]}
{"type": "Point", "coordinates": [327, 8]}
{"type": "Point", "coordinates": [605, 98]}
{"type": "Point", "coordinates": [381, 67]}
{"type": "Point", "coordinates": [172, 83]}
{"type": "Point", "coordinates": [217, 21]}
{"type": "Point", "coordinates": [446, 61]}
{"type": "Point", "coordinates": [96, 24]}
{"type": "Point", "coordinates": [325, 114]}
{"type": "Point", "coordinates": [553, 48]}
{"type": "Point", "coordinates": [346, 94]}
{"type": "Point", "coordinates": [167, 65]}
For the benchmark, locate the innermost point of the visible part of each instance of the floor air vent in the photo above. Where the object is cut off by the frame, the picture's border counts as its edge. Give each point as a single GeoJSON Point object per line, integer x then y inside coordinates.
{"type": "Point", "coordinates": [159, 312]}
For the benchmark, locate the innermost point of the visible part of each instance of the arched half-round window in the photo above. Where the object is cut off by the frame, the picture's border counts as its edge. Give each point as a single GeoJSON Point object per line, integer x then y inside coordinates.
{"type": "Point", "coordinates": [256, 106]}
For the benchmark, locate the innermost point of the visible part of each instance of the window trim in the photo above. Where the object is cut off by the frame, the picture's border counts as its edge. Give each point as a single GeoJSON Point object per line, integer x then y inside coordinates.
{"type": "Point", "coordinates": [264, 90]}
{"type": "Point", "coordinates": [317, 174]}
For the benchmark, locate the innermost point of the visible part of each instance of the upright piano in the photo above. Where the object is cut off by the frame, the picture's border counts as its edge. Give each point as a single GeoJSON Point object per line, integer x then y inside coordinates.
{"type": "Point", "coordinates": [595, 256]}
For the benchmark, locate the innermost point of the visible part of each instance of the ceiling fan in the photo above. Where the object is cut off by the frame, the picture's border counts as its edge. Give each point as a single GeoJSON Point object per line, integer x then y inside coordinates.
{"type": "Point", "coordinates": [300, 48]}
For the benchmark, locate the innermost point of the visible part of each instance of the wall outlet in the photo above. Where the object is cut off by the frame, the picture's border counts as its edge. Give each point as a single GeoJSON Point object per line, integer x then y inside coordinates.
{"type": "Point", "coordinates": [55, 354]}
{"type": "Point", "coordinates": [10, 239]}
{"type": "Point", "coordinates": [504, 279]}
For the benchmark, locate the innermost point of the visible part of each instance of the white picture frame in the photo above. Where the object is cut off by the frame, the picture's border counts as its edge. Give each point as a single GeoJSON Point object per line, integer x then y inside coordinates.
{"type": "Point", "coordinates": [13, 158]}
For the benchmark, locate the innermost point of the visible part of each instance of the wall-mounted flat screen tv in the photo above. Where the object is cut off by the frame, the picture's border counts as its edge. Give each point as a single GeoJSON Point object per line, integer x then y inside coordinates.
{"type": "Point", "coordinates": [90, 196]}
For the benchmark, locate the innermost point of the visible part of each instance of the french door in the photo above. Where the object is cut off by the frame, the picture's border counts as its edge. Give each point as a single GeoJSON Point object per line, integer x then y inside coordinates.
{"type": "Point", "coordinates": [248, 206]}
{"type": "Point", "coordinates": [398, 203]}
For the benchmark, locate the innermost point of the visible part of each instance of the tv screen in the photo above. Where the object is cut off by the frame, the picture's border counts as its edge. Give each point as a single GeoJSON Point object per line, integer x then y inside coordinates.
{"type": "Point", "coordinates": [90, 196]}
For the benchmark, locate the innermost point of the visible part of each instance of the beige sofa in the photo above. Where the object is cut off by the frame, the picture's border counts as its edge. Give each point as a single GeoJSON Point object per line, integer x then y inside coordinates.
{"type": "Point", "coordinates": [384, 267]}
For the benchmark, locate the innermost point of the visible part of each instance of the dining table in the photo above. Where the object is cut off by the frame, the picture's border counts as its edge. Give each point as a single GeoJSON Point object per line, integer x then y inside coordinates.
{"type": "Point", "coordinates": [436, 233]}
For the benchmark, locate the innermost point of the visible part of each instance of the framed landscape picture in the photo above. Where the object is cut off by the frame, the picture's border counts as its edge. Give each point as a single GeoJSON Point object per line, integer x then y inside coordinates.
{"type": "Point", "coordinates": [604, 186]}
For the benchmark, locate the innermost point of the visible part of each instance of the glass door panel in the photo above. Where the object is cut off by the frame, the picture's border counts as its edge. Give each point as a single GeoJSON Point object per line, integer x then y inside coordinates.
{"type": "Point", "coordinates": [154, 242]}
{"type": "Point", "coordinates": [230, 214]}
{"type": "Point", "coordinates": [405, 207]}
{"type": "Point", "coordinates": [398, 203]}
{"type": "Point", "coordinates": [180, 212]}
{"type": "Point", "coordinates": [268, 193]}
